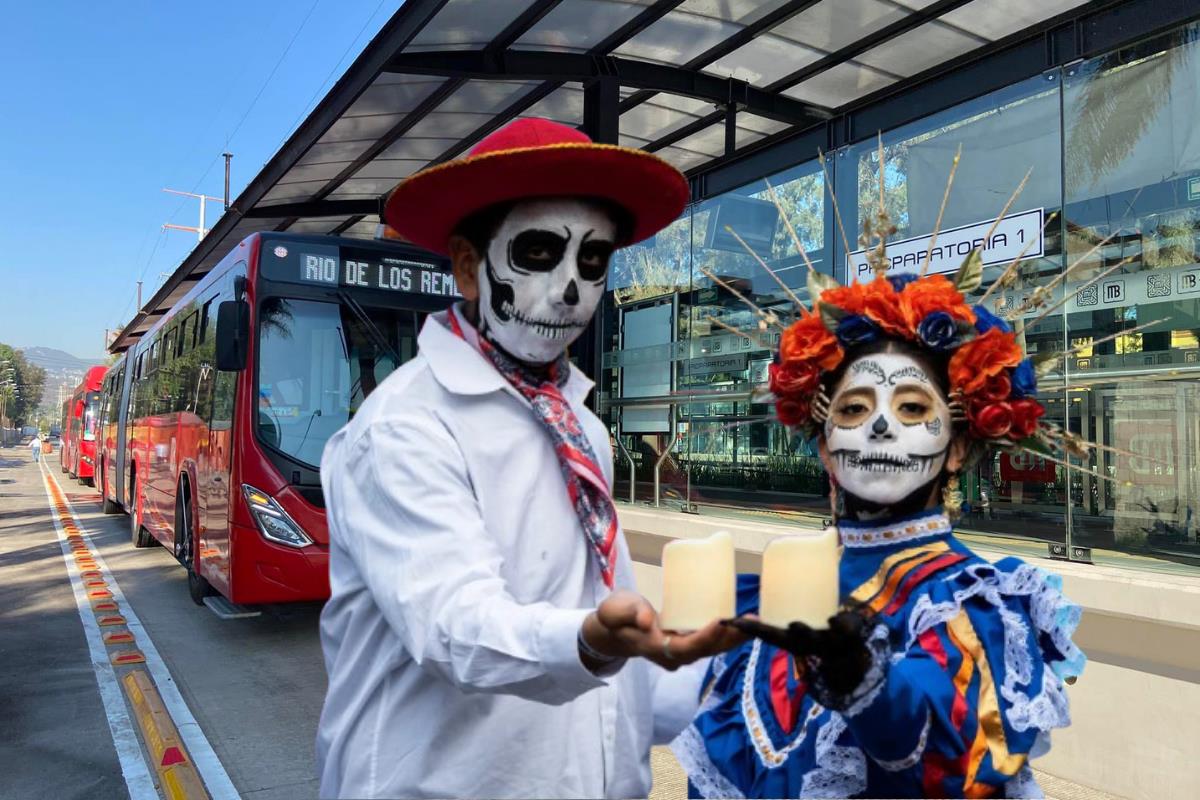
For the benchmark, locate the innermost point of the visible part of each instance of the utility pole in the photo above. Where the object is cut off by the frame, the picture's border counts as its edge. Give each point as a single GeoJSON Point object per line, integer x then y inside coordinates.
{"type": "Point", "coordinates": [139, 297]}
{"type": "Point", "coordinates": [228, 157]}
{"type": "Point", "coordinates": [199, 230]}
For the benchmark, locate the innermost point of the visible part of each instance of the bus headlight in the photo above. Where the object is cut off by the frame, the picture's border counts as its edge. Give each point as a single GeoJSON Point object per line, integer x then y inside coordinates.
{"type": "Point", "coordinates": [273, 522]}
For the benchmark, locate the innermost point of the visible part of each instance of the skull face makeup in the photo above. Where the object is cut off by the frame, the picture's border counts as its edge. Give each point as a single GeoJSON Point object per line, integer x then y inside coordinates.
{"type": "Point", "coordinates": [543, 275]}
{"type": "Point", "coordinates": [888, 431]}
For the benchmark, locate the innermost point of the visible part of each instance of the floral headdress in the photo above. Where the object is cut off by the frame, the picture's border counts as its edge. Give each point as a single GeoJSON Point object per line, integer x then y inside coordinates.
{"type": "Point", "coordinates": [993, 382]}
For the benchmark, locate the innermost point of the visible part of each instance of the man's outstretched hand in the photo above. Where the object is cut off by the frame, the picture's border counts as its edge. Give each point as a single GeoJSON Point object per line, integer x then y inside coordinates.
{"type": "Point", "coordinates": [626, 626]}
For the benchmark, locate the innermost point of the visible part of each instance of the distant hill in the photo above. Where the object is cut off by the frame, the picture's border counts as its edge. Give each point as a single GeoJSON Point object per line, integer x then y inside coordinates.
{"type": "Point", "coordinates": [62, 370]}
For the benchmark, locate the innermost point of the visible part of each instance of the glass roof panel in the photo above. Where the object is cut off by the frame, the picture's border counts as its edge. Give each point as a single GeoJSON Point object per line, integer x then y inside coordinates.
{"type": "Point", "coordinates": [651, 120]}
{"type": "Point", "coordinates": [763, 60]}
{"type": "Point", "coordinates": [313, 172]}
{"type": "Point", "coordinates": [351, 129]}
{"type": "Point", "coordinates": [839, 85]}
{"type": "Point", "coordinates": [363, 188]}
{"type": "Point", "coordinates": [291, 192]}
{"type": "Point", "coordinates": [682, 159]}
{"type": "Point", "coordinates": [398, 94]}
{"type": "Point", "coordinates": [578, 25]}
{"type": "Point", "coordinates": [459, 115]}
{"type": "Point", "coordinates": [316, 224]}
{"type": "Point", "coordinates": [363, 229]}
{"type": "Point", "coordinates": [344, 152]}
{"type": "Point", "coordinates": [832, 25]}
{"type": "Point", "coordinates": [710, 141]}
{"type": "Point", "coordinates": [693, 27]}
{"type": "Point", "coordinates": [467, 24]}
{"type": "Point", "coordinates": [396, 168]}
{"type": "Point", "coordinates": [564, 104]}
{"type": "Point", "coordinates": [919, 49]}
{"type": "Point", "coordinates": [996, 21]}
{"type": "Point", "coordinates": [761, 124]}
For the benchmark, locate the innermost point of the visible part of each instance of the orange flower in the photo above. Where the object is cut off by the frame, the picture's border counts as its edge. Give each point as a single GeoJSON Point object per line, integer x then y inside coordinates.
{"type": "Point", "coordinates": [934, 293]}
{"type": "Point", "coordinates": [847, 298]}
{"type": "Point", "coordinates": [807, 340]}
{"type": "Point", "coordinates": [882, 305]}
{"type": "Point", "coordinates": [982, 358]}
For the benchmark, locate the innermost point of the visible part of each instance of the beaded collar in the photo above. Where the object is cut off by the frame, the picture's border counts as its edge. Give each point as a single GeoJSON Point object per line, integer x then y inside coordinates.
{"type": "Point", "coordinates": [926, 525]}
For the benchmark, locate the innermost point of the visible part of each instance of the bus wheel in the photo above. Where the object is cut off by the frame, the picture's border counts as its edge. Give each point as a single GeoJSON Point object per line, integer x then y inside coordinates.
{"type": "Point", "coordinates": [106, 505]}
{"type": "Point", "coordinates": [198, 587]}
{"type": "Point", "coordinates": [141, 537]}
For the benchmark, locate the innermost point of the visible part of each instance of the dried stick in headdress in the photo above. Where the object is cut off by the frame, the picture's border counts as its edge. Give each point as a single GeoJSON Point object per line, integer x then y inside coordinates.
{"type": "Point", "coordinates": [1012, 198]}
{"type": "Point", "coordinates": [942, 210]}
{"type": "Point", "coordinates": [837, 212]}
{"type": "Point", "coordinates": [763, 264]}
{"type": "Point", "coordinates": [765, 316]}
{"type": "Point", "coordinates": [1067, 295]}
{"type": "Point", "coordinates": [788, 224]}
{"type": "Point", "coordinates": [1078, 446]}
{"type": "Point", "coordinates": [1011, 269]}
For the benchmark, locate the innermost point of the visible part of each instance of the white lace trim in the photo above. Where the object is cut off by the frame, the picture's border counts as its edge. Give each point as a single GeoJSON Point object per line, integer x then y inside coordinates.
{"type": "Point", "coordinates": [840, 771]}
{"type": "Point", "coordinates": [689, 748]}
{"type": "Point", "coordinates": [872, 684]}
{"type": "Point", "coordinates": [1048, 708]}
{"type": "Point", "coordinates": [1024, 785]}
{"type": "Point", "coordinates": [920, 528]}
{"type": "Point", "coordinates": [767, 753]}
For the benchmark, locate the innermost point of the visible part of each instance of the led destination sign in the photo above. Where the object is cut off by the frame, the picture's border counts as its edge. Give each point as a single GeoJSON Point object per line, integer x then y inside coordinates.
{"type": "Point", "coordinates": [328, 265]}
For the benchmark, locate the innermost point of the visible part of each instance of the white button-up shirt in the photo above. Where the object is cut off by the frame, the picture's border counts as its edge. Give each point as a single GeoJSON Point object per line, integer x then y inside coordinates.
{"type": "Point", "coordinates": [460, 577]}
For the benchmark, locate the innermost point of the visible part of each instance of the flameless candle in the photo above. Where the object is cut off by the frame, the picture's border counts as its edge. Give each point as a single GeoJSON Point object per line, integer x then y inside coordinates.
{"type": "Point", "coordinates": [699, 582]}
{"type": "Point", "coordinates": [800, 580]}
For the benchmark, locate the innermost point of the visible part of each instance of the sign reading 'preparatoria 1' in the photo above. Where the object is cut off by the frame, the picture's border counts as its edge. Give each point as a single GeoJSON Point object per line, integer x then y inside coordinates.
{"type": "Point", "coordinates": [1015, 234]}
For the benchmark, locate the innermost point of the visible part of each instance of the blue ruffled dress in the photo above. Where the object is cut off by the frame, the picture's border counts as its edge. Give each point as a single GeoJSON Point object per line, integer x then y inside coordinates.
{"type": "Point", "coordinates": [968, 664]}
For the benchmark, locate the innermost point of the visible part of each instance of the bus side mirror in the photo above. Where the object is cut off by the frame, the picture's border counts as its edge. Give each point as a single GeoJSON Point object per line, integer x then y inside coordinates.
{"type": "Point", "coordinates": [233, 335]}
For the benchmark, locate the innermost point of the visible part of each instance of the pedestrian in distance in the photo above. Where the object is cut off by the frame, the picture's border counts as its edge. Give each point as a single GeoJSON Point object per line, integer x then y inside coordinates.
{"type": "Point", "coordinates": [482, 638]}
{"type": "Point", "coordinates": [35, 449]}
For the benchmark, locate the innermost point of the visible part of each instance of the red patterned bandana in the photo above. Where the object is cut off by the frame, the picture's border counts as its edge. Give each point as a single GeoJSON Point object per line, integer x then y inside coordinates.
{"type": "Point", "coordinates": [586, 485]}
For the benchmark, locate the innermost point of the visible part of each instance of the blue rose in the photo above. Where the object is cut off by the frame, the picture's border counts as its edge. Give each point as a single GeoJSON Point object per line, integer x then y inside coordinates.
{"type": "Point", "coordinates": [939, 331]}
{"type": "Point", "coordinates": [986, 320]}
{"type": "Point", "coordinates": [856, 329]}
{"type": "Point", "coordinates": [1024, 379]}
{"type": "Point", "coordinates": [898, 282]}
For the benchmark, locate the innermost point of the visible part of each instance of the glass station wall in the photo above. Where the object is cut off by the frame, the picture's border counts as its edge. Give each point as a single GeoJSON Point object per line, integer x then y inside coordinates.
{"type": "Point", "coordinates": [1113, 162]}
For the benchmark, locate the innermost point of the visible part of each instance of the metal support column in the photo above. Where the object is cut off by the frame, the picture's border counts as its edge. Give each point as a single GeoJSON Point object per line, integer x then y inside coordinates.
{"type": "Point", "coordinates": [601, 109]}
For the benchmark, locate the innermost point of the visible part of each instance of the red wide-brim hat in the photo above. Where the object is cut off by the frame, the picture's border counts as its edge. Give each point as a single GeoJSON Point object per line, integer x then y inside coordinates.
{"type": "Point", "coordinates": [531, 158]}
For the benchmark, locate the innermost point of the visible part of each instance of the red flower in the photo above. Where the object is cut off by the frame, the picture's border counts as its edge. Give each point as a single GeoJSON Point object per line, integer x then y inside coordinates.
{"type": "Point", "coordinates": [793, 378]}
{"type": "Point", "coordinates": [990, 420]}
{"type": "Point", "coordinates": [981, 358]}
{"type": "Point", "coordinates": [792, 413]}
{"type": "Point", "coordinates": [847, 298]}
{"type": "Point", "coordinates": [997, 388]}
{"type": "Point", "coordinates": [1025, 415]}
{"type": "Point", "coordinates": [806, 339]}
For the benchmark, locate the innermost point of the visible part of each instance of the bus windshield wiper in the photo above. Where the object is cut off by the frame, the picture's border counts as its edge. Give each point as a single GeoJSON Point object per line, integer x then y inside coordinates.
{"type": "Point", "coordinates": [372, 329]}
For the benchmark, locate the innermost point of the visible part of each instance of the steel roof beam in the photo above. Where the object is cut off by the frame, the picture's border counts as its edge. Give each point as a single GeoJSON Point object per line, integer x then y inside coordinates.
{"type": "Point", "coordinates": [544, 65]}
{"type": "Point", "coordinates": [314, 208]}
{"type": "Point", "coordinates": [747, 34]}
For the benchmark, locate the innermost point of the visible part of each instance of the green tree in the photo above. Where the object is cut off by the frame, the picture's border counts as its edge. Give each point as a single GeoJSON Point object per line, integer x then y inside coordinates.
{"type": "Point", "coordinates": [20, 387]}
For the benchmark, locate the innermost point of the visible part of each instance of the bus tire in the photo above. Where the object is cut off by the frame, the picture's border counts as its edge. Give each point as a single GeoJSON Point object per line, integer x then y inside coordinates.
{"type": "Point", "coordinates": [141, 537]}
{"type": "Point", "coordinates": [198, 587]}
{"type": "Point", "coordinates": [106, 505]}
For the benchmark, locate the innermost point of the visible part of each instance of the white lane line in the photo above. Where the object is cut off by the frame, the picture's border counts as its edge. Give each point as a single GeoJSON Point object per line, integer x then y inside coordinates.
{"type": "Point", "coordinates": [124, 734]}
{"type": "Point", "coordinates": [216, 779]}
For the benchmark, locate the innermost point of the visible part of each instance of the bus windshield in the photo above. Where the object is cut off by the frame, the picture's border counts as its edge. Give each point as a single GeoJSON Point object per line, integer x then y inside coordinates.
{"type": "Point", "coordinates": [89, 418]}
{"type": "Point", "coordinates": [317, 363]}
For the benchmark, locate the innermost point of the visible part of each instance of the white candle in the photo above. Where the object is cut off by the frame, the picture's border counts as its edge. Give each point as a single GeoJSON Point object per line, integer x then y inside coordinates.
{"type": "Point", "coordinates": [699, 582]}
{"type": "Point", "coordinates": [800, 580]}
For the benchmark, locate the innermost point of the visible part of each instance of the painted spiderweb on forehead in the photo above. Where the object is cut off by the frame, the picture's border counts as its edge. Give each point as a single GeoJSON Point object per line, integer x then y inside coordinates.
{"type": "Point", "coordinates": [1049, 440]}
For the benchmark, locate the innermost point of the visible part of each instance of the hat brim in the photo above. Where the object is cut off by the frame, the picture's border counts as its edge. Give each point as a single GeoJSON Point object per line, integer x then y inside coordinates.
{"type": "Point", "coordinates": [426, 207]}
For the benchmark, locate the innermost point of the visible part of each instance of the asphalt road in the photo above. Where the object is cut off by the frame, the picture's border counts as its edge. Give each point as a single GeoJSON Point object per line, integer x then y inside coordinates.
{"type": "Point", "coordinates": [255, 685]}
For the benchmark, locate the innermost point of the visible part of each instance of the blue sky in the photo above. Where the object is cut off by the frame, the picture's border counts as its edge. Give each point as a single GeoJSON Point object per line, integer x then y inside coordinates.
{"type": "Point", "coordinates": [102, 105]}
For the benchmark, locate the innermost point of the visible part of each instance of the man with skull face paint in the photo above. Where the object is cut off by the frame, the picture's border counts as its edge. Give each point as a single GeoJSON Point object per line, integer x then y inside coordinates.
{"type": "Point", "coordinates": [481, 638]}
{"type": "Point", "coordinates": [943, 674]}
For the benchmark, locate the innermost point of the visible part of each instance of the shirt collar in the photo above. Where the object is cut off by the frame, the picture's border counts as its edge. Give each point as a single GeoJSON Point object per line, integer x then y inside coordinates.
{"type": "Point", "coordinates": [461, 369]}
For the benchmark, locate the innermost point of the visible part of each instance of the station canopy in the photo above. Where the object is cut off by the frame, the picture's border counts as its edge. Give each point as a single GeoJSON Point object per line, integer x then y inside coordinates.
{"type": "Point", "coordinates": [695, 81]}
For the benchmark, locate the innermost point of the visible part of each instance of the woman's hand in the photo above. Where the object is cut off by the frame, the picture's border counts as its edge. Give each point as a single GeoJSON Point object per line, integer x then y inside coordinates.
{"type": "Point", "coordinates": [626, 626]}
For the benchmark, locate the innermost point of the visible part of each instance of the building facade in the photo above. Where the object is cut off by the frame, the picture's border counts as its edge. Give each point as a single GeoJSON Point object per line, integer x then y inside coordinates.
{"type": "Point", "coordinates": [1112, 153]}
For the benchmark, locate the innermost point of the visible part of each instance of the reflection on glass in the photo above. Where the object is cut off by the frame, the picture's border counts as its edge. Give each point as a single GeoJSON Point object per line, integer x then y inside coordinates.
{"type": "Point", "coordinates": [317, 364]}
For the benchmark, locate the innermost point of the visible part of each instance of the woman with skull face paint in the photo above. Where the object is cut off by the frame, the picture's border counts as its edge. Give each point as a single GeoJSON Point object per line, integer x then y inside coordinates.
{"type": "Point", "coordinates": [481, 638]}
{"type": "Point", "coordinates": [944, 674]}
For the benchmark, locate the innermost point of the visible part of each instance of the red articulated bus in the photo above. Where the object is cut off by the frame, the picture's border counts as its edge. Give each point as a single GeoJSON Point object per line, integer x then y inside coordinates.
{"type": "Point", "coordinates": [80, 419]}
{"type": "Point", "coordinates": [216, 419]}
